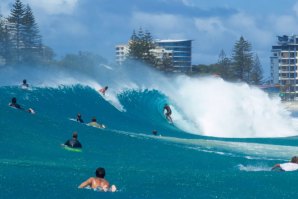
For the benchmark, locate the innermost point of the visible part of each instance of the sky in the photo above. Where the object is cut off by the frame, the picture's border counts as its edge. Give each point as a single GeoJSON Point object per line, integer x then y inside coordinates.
{"type": "Point", "coordinates": [70, 26]}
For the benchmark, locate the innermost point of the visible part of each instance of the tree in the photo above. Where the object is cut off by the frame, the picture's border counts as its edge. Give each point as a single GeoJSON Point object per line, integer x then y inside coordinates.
{"type": "Point", "coordinates": [257, 72]}
{"type": "Point", "coordinates": [31, 37]}
{"type": "Point", "coordinates": [5, 43]}
{"type": "Point", "coordinates": [16, 26]}
{"type": "Point", "coordinates": [224, 65]}
{"type": "Point", "coordinates": [139, 47]}
{"type": "Point", "coordinates": [242, 59]}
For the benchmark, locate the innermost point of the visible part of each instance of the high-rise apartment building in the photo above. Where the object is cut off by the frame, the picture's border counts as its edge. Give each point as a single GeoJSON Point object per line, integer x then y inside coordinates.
{"type": "Point", "coordinates": [284, 62]}
{"type": "Point", "coordinates": [181, 52]}
{"type": "Point", "coordinates": [121, 53]}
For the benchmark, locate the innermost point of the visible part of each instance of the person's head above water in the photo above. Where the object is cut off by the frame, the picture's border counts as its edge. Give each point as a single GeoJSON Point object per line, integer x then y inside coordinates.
{"type": "Point", "coordinates": [75, 135]}
{"type": "Point", "coordinates": [100, 172]}
{"type": "Point", "coordinates": [106, 88]}
{"type": "Point", "coordinates": [14, 100]}
{"type": "Point", "coordinates": [79, 115]}
{"type": "Point", "coordinates": [294, 159]}
{"type": "Point", "coordinates": [24, 81]}
{"type": "Point", "coordinates": [94, 119]}
{"type": "Point", "coordinates": [154, 132]}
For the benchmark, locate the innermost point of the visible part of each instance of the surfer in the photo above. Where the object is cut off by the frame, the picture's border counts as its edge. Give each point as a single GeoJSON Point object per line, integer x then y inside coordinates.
{"type": "Point", "coordinates": [14, 103]}
{"type": "Point", "coordinates": [168, 113]}
{"type": "Point", "coordinates": [74, 142]}
{"type": "Point", "coordinates": [154, 132]}
{"type": "Point", "coordinates": [99, 182]}
{"type": "Point", "coordinates": [79, 118]}
{"type": "Point", "coordinates": [290, 166]}
{"type": "Point", "coordinates": [95, 124]}
{"type": "Point", "coordinates": [25, 84]}
{"type": "Point", "coordinates": [103, 90]}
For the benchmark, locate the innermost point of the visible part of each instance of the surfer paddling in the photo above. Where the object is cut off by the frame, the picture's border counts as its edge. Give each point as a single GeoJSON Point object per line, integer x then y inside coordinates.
{"type": "Point", "coordinates": [99, 182]}
{"type": "Point", "coordinates": [289, 166]}
{"type": "Point", "coordinates": [14, 104]}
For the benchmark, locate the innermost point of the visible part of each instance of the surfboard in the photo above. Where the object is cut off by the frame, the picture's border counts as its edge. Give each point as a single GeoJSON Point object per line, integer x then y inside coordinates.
{"type": "Point", "coordinates": [112, 188]}
{"type": "Point", "coordinates": [30, 110]}
{"type": "Point", "coordinates": [96, 125]}
{"type": "Point", "coordinates": [289, 166]}
{"type": "Point", "coordinates": [71, 149]}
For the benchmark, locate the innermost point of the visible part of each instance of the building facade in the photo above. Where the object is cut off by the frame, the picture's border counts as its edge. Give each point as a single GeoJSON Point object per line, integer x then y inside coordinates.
{"type": "Point", "coordinates": [284, 62]}
{"type": "Point", "coordinates": [181, 52]}
{"type": "Point", "coordinates": [177, 51]}
{"type": "Point", "coordinates": [121, 53]}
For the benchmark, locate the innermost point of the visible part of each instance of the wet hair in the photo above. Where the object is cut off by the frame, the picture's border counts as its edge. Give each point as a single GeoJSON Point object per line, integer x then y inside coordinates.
{"type": "Point", "coordinates": [106, 87]}
{"type": "Point", "coordinates": [24, 81]}
{"type": "Point", "coordinates": [14, 100]}
{"type": "Point", "coordinates": [100, 172]}
{"type": "Point", "coordinates": [75, 135]}
{"type": "Point", "coordinates": [94, 119]}
{"type": "Point", "coordinates": [79, 115]}
{"type": "Point", "coordinates": [294, 159]}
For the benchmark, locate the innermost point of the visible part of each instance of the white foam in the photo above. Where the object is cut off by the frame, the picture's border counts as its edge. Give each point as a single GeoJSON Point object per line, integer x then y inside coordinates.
{"type": "Point", "coordinates": [253, 167]}
{"type": "Point", "coordinates": [218, 108]}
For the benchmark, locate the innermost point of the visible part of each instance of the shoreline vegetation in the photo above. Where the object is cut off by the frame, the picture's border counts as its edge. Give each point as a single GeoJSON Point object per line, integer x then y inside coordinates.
{"type": "Point", "coordinates": [21, 44]}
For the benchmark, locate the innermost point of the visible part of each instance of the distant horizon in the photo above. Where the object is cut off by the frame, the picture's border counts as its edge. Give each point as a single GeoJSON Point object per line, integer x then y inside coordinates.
{"type": "Point", "coordinates": [71, 26]}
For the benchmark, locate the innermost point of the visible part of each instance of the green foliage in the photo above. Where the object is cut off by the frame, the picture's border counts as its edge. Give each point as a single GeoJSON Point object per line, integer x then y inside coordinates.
{"type": "Point", "coordinates": [139, 47]}
{"type": "Point", "coordinates": [242, 59]}
{"type": "Point", "coordinates": [256, 72]}
{"type": "Point", "coordinates": [20, 41]}
{"type": "Point", "coordinates": [224, 64]}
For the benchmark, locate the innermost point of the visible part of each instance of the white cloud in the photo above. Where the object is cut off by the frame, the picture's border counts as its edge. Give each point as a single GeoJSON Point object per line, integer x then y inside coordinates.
{"type": "Point", "coordinates": [285, 24]}
{"type": "Point", "coordinates": [212, 25]}
{"type": "Point", "coordinates": [54, 6]}
{"type": "Point", "coordinates": [295, 8]}
{"type": "Point", "coordinates": [164, 25]}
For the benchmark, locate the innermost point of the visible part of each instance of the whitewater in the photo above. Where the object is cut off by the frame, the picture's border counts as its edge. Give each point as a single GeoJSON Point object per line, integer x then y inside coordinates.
{"type": "Point", "coordinates": [225, 138]}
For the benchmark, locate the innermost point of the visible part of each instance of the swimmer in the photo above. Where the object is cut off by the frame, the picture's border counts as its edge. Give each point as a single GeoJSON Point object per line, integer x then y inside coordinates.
{"type": "Point", "coordinates": [99, 181]}
{"type": "Point", "coordinates": [74, 142]}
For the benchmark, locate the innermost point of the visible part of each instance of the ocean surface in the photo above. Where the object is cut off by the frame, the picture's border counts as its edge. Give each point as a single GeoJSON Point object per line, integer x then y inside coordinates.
{"type": "Point", "coordinates": [224, 141]}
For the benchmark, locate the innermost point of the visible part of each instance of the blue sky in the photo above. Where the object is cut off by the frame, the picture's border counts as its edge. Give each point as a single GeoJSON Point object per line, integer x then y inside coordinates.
{"type": "Point", "coordinates": [98, 25]}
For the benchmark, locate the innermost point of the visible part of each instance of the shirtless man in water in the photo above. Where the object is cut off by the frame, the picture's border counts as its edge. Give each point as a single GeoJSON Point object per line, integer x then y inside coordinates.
{"type": "Point", "coordinates": [99, 181]}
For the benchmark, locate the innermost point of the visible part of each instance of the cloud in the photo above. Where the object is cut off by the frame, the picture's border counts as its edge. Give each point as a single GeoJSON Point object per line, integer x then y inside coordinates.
{"type": "Point", "coordinates": [212, 25]}
{"type": "Point", "coordinates": [54, 6]}
{"type": "Point", "coordinates": [295, 8]}
{"type": "Point", "coordinates": [161, 24]}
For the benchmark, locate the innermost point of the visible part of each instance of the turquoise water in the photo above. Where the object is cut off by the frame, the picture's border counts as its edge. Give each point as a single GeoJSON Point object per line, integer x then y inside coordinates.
{"type": "Point", "coordinates": [175, 165]}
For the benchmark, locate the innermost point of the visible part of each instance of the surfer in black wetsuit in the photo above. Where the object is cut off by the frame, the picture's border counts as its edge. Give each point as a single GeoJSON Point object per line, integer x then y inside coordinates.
{"type": "Point", "coordinates": [74, 142]}
{"type": "Point", "coordinates": [79, 118]}
{"type": "Point", "coordinates": [25, 84]}
{"type": "Point", "coordinates": [168, 112]}
{"type": "Point", "coordinates": [14, 103]}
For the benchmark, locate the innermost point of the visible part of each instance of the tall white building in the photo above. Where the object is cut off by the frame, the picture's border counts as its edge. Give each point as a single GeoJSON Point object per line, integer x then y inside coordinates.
{"type": "Point", "coordinates": [121, 53]}
{"type": "Point", "coordinates": [284, 64]}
